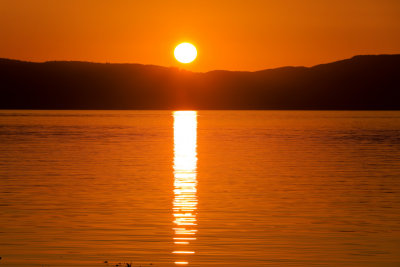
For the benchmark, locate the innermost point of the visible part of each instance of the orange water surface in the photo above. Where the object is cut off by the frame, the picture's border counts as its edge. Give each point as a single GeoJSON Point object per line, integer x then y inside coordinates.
{"type": "Point", "coordinates": [199, 188]}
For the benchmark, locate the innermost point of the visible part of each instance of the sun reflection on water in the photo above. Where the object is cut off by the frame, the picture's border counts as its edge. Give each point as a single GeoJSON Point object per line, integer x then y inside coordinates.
{"type": "Point", "coordinates": [185, 183]}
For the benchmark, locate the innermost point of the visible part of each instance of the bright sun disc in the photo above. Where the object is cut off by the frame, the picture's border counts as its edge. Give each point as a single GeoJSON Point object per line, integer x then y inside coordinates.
{"type": "Point", "coordinates": [185, 52]}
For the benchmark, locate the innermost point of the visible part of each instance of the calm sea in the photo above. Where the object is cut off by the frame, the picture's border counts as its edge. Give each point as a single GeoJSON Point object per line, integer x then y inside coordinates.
{"type": "Point", "coordinates": [206, 188]}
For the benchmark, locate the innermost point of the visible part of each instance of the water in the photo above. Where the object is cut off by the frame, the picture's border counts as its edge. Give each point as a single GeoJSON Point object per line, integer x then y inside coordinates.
{"type": "Point", "coordinates": [233, 188]}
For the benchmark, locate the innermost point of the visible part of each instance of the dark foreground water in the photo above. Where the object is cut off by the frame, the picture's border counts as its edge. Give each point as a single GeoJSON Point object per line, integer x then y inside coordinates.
{"type": "Point", "coordinates": [212, 188]}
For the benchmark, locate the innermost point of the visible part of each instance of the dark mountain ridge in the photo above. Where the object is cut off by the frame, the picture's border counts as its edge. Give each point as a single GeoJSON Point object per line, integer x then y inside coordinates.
{"type": "Point", "coordinates": [362, 82]}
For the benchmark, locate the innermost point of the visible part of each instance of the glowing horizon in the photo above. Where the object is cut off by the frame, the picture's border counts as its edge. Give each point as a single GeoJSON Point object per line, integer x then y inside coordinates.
{"type": "Point", "coordinates": [231, 35]}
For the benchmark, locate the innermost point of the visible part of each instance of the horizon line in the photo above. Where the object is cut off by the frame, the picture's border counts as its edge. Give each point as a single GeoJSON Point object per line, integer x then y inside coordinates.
{"type": "Point", "coordinates": [183, 69]}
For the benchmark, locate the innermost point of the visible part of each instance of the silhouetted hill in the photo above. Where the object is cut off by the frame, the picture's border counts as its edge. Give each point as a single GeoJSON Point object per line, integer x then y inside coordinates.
{"type": "Point", "coordinates": [362, 82]}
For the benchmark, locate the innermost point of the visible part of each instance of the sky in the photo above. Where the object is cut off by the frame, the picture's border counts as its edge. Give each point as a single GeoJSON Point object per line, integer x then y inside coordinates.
{"type": "Point", "coordinates": [229, 34]}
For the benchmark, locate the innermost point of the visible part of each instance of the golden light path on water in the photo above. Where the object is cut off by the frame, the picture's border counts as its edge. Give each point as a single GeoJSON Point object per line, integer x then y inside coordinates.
{"type": "Point", "coordinates": [185, 184]}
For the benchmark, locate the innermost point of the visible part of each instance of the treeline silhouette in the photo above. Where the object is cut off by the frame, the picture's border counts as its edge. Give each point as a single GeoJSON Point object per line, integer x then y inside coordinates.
{"type": "Point", "coordinates": [361, 82]}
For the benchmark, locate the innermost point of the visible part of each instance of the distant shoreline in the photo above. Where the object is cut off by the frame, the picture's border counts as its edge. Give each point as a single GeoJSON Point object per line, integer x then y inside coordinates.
{"type": "Point", "coordinates": [370, 82]}
{"type": "Point", "coordinates": [26, 109]}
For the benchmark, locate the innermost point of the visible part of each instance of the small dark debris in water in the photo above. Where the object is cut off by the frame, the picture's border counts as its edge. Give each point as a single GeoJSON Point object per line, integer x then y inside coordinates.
{"type": "Point", "coordinates": [105, 261]}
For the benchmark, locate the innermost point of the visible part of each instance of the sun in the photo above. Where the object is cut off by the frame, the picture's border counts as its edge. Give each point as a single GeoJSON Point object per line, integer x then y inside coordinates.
{"type": "Point", "coordinates": [185, 52]}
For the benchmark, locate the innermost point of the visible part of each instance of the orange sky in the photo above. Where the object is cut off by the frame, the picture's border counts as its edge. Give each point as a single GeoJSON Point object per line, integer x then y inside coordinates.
{"type": "Point", "coordinates": [229, 34]}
